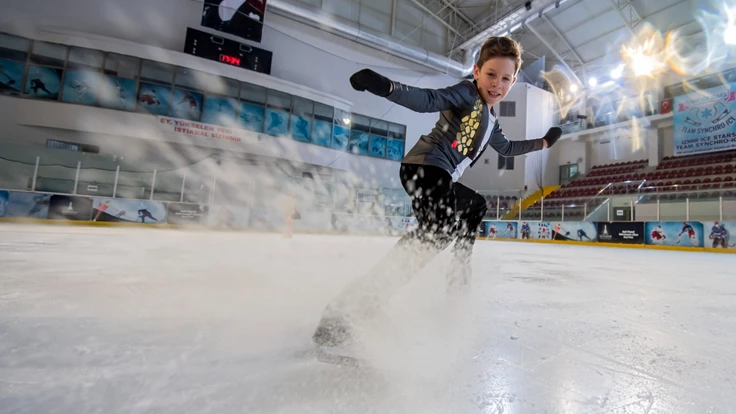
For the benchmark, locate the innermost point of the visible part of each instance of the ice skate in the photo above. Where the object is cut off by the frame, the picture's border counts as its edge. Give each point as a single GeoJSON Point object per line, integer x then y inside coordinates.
{"type": "Point", "coordinates": [332, 332]}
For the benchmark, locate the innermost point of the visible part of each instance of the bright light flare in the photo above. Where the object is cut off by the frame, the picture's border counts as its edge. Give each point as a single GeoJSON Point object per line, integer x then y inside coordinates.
{"type": "Point", "coordinates": [646, 58]}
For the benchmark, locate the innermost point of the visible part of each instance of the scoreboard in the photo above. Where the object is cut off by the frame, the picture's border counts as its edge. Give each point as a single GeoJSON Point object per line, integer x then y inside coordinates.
{"type": "Point", "coordinates": [230, 52]}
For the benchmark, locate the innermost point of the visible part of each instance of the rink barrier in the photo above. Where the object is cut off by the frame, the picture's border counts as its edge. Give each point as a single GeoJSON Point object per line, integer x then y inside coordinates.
{"type": "Point", "coordinates": [661, 235]}
{"type": "Point", "coordinates": [50, 208]}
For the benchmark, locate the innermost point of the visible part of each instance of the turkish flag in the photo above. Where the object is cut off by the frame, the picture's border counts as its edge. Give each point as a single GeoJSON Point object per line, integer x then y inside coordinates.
{"type": "Point", "coordinates": [665, 106]}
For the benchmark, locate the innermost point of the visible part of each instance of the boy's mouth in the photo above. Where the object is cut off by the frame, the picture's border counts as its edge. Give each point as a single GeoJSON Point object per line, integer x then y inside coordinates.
{"type": "Point", "coordinates": [494, 94]}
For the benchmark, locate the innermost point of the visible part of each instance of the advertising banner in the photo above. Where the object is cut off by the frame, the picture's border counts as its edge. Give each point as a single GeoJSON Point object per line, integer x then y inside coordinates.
{"type": "Point", "coordinates": [574, 231]}
{"type": "Point", "coordinates": [3, 203]}
{"type": "Point", "coordinates": [24, 204]}
{"type": "Point", "coordinates": [719, 235]}
{"type": "Point", "coordinates": [64, 207]}
{"type": "Point", "coordinates": [360, 223]}
{"type": "Point", "coordinates": [201, 130]}
{"type": "Point", "coordinates": [674, 233]}
{"type": "Point", "coordinates": [705, 121]}
{"type": "Point", "coordinates": [535, 230]}
{"type": "Point", "coordinates": [627, 232]}
{"type": "Point", "coordinates": [185, 213]}
{"type": "Point", "coordinates": [501, 229]}
{"type": "Point", "coordinates": [229, 217]}
{"type": "Point", "coordinates": [118, 210]}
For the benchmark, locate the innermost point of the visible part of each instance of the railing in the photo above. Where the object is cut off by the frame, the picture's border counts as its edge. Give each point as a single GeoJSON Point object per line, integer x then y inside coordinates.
{"type": "Point", "coordinates": [637, 201]}
{"type": "Point", "coordinates": [210, 180]}
{"type": "Point", "coordinates": [571, 124]}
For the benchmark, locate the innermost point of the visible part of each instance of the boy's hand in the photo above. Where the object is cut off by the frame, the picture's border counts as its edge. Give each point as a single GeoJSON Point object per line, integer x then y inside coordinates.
{"type": "Point", "coordinates": [553, 134]}
{"type": "Point", "coordinates": [373, 82]}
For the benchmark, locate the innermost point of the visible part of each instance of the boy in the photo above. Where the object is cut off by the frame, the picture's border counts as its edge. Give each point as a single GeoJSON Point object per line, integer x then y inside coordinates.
{"type": "Point", "coordinates": [445, 209]}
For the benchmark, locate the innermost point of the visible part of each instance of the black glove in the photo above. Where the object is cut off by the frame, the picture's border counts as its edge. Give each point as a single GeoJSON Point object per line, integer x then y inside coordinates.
{"type": "Point", "coordinates": [552, 136]}
{"type": "Point", "coordinates": [368, 80]}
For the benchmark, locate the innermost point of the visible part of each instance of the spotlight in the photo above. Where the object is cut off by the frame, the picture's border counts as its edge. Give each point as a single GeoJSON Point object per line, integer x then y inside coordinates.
{"type": "Point", "coordinates": [592, 82]}
{"type": "Point", "coordinates": [617, 72]}
{"type": "Point", "coordinates": [729, 35]}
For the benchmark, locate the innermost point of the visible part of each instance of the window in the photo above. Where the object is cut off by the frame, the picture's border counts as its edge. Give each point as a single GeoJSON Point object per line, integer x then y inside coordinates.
{"type": "Point", "coordinates": [14, 48]}
{"type": "Point", "coordinates": [119, 82]}
{"type": "Point", "coordinates": [126, 67]}
{"type": "Point", "coordinates": [567, 173]}
{"type": "Point", "coordinates": [507, 109]}
{"type": "Point", "coordinates": [224, 86]}
{"type": "Point", "coordinates": [322, 127]}
{"type": "Point", "coordinates": [300, 123]}
{"type": "Point", "coordinates": [377, 144]}
{"type": "Point", "coordinates": [157, 72]}
{"type": "Point", "coordinates": [395, 142]}
{"type": "Point", "coordinates": [194, 79]}
{"type": "Point", "coordinates": [253, 93]}
{"type": "Point", "coordinates": [341, 130]}
{"type": "Point", "coordinates": [505, 163]}
{"type": "Point", "coordinates": [13, 54]}
{"type": "Point", "coordinates": [360, 129]}
{"type": "Point", "coordinates": [85, 58]}
{"type": "Point", "coordinates": [278, 106]}
{"type": "Point", "coordinates": [82, 80]}
{"type": "Point", "coordinates": [251, 111]}
{"type": "Point", "coordinates": [48, 54]}
{"type": "Point", "coordinates": [72, 146]}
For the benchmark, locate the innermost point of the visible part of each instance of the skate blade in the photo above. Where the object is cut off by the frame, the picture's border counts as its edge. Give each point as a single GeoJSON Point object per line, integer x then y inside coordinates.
{"type": "Point", "coordinates": [335, 356]}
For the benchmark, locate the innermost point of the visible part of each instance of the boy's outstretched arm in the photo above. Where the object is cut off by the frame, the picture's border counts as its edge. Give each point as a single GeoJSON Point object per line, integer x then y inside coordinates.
{"type": "Point", "coordinates": [507, 148]}
{"type": "Point", "coordinates": [460, 95]}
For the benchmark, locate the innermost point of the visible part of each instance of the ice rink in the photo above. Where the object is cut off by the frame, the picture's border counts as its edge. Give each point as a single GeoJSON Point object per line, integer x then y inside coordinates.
{"type": "Point", "coordinates": [112, 320]}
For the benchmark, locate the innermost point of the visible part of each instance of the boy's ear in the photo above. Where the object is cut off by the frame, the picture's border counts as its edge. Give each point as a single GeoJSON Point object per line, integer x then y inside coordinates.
{"type": "Point", "coordinates": [513, 81]}
{"type": "Point", "coordinates": [476, 71]}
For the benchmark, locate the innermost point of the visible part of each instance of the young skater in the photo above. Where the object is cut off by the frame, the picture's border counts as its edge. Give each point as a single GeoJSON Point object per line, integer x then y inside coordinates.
{"type": "Point", "coordinates": [445, 209]}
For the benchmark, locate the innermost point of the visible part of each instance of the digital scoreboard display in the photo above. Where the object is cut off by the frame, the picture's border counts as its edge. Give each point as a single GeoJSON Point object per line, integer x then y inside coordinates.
{"type": "Point", "coordinates": [227, 51]}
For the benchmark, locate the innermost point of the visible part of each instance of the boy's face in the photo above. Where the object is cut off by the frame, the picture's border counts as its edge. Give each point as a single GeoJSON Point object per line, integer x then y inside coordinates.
{"type": "Point", "coordinates": [495, 79]}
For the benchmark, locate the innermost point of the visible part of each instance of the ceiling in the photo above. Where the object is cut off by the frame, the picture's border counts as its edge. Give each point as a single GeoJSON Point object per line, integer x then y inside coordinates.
{"type": "Point", "coordinates": [584, 36]}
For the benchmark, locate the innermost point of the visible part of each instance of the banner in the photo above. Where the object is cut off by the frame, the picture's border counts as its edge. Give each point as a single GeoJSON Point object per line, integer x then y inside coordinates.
{"type": "Point", "coordinates": [185, 213]}
{"type": "Point", "coordinates": [705, 121]}
{"type": "Point", "coordinates": [229, 217]}
{"type": "Point", "coordinates": [313, 221]}
{"type": "Point", "coordinates": [574, 231]}
{"type": "Point", "coordinates": [674, 233]}
{"type": "Point", "coordinates": [62, 207]}
{"type": "Point", "coordinates": [267, 219]}
{"type": "Point", "coordinates": [11, 77]}
{"type": "Point", "coordinates": [535, 230]}
{"type": "Point", "coordinates": [205, 131]}
{"type": "Point", "coordinates": [719, 235]}
{"type": "Point", "coordinates": [398, 226]}
{"type": "Point", "coordinates": [32, 205]}
{"type": "Point", "coordinates": [118, 210]}
{"type": "Point", "coordinates": [361, 223]}
{"type": "Point", "coordinates": [3, 203]}
{"type": "Point", "coordinates": [627, 232]}
{"type": "Point", "coordinates": [500, 229]}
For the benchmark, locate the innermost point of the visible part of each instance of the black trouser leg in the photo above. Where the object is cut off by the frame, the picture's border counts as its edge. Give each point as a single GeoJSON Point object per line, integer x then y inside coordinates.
{"type": "Point", "coordinates": [471, 208]}
{"type": "Point", "coordinates": [433, 200]}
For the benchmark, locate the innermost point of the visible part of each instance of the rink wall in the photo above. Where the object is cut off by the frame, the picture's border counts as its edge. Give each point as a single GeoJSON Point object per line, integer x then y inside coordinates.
{"type": "Point", "coordinates": [64, 208]}
{"type": "Point", "coordinates": [23, 206]}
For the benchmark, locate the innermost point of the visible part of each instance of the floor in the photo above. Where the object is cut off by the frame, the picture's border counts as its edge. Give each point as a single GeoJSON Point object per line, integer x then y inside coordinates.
{"type": "Point", "coordinates": [108, 320]}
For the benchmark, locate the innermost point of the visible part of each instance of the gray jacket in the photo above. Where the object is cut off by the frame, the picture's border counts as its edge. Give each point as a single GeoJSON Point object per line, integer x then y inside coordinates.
{"type": "Point", "coordinates": [455, 141]}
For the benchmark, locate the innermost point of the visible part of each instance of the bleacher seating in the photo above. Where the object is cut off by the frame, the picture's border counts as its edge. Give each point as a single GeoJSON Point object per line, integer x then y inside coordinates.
{"type": "Point", "coordinates": [702, 176]}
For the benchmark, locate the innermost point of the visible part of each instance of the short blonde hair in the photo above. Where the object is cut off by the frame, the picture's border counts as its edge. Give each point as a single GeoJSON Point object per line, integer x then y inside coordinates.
{"type": "Point", "coordinates": [500, 46]}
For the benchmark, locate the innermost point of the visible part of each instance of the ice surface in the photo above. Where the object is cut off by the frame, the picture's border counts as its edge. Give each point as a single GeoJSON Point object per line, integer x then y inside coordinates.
{"type": "Point", "coordinates": [109, 320]}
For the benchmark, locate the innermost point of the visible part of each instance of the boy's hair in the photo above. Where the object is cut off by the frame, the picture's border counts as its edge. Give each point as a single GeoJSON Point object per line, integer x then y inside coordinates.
{"type": "Point", "coordinates": [500, 46]}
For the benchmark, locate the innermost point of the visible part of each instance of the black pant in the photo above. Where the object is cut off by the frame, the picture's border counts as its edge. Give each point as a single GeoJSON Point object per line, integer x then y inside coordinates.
{"type": "Point", "coordinates": [445, 211]}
